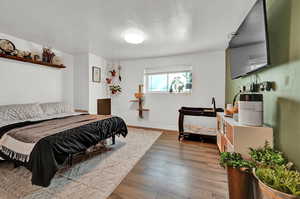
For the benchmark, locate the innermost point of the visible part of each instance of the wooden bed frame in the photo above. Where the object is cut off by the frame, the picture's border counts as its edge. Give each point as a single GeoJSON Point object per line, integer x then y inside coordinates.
{"type": "Point", "coordinates": [78, 157]}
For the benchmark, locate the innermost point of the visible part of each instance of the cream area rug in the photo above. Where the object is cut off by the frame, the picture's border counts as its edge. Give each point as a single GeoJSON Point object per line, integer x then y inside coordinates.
{"type": "Point", "coordinates": [95, 178]}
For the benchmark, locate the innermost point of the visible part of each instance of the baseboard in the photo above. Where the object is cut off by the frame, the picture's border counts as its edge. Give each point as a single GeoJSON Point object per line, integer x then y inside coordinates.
{"type": "Point", "coordinates": [153, 129]}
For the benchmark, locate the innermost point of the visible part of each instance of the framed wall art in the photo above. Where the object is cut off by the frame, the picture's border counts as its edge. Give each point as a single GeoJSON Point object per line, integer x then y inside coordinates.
{"type": "Point", "coordinates": [96, 74]}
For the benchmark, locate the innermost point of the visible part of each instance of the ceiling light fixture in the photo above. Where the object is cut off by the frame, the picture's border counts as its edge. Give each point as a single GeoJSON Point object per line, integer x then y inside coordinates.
{"type": "Point", "coordinates": [134, 36]}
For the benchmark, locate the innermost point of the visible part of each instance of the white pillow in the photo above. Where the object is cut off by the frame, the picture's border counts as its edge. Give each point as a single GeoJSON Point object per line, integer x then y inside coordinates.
{"type": "Point", "coordinates": [2, 116]}
{"type": "Point", "coordinates": [56, 108]}
{"type": "Point", "coordinates": [20, 111]}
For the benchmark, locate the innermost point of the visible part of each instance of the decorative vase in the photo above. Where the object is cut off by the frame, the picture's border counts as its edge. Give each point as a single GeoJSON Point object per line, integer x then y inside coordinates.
{"type": "Point", "coordinates": [263, 191]}
{"type": "Point", "coordinates": [239, 183]}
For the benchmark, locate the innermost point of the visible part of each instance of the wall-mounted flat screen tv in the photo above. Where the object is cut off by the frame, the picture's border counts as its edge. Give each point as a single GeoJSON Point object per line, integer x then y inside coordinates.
{"type": "Point", "coordinates": [248, 49]}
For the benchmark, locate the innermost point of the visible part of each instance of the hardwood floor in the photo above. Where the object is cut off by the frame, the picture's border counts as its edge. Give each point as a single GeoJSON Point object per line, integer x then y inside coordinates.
{"type": "Point", "coordinates": [173, 170]}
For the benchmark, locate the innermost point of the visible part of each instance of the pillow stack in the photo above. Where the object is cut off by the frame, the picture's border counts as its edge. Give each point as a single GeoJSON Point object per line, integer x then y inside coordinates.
{"type": "Point", "coordinates": [23, 112]}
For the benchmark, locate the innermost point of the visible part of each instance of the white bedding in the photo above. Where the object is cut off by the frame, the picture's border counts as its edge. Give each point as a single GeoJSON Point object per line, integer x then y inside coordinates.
{"type": "Point", "coordinates": [21, 147]}
{"type": "Point", "coordinates": [42, 117]}
{"type": "Point", "coordinates": [16, 113]}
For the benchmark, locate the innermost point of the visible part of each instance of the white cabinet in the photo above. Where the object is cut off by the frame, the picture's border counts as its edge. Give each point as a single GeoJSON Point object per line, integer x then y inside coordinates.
{"type": "Point", "coordinates": [234, 137]}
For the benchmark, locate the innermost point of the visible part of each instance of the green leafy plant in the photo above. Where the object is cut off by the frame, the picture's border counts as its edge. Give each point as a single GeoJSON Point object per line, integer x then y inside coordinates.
{"type": "Point", "coordinates": [280, 178]}
{"type": "Point", "coordinates": [267, 156]}
{"type": "Point", "coordinates": [234, 160]}
{"type": "Point", "coordinates": [115, 89]}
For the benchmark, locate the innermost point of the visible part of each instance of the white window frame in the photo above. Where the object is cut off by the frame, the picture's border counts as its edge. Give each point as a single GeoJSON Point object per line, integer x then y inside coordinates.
{"type": "Point", "coordinates": [146, 82]}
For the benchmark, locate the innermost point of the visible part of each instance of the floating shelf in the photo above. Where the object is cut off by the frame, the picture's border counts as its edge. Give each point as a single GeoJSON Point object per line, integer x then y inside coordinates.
{"type": "Point", "coordinates": [134, 100]}
{"type": "Point", "coordinates": [139, 100]}
{"type": "Point", "coordinates": [143, 109]}
{"type": "Point", "coordinates": [31, 61]}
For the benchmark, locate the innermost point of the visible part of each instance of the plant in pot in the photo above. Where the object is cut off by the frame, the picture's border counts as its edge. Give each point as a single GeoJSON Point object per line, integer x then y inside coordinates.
{"type": "Point", "coordinates": [113, 72]}
{"type": "Point", "coordinates": [279, 182]}
{"type": "Point", "coordinates": [238, 174]}
{"type": "Point", "coordinates": [267, 156]}
{"type": "Point", "coordinates": [275, 178]}
{"type": "Point", "coordinates": [115, 89]}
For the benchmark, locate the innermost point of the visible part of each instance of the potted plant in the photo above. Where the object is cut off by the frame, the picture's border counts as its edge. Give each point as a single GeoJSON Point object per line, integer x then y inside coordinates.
{"type": "Point", "coordinates": [274, 178]}
{"type": "Point", "coordinates": [238, 174]}
{"type": "Point", "coordinates": [108, 80]}
{"type": "Point", "coordinates": [267, 156]}
{"type": "Point", "coordinates": [115, 89]}
{"type": "Point", "coordinates": [278, 182]}
{"type": "Point", "coordinates": [113, 72]}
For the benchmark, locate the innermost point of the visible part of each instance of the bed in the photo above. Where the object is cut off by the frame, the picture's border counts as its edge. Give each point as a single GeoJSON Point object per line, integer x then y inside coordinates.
{"type": "Point", "coordinates": [42, 137]}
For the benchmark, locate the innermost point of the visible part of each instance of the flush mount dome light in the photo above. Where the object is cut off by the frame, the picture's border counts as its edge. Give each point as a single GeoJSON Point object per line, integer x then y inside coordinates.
{"type": "Point", "coordinates": [134, 36]}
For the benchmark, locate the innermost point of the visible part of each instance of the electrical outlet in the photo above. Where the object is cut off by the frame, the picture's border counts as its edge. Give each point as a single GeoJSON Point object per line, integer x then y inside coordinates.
{"type": "Point", "coordinates": [257, 87]}
{"type": "Point", "coordinates": [267, 86]}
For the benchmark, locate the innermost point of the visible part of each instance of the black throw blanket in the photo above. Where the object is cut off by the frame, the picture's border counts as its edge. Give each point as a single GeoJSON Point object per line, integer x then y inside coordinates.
{"type": "Point", "coordinates": [54, 150]}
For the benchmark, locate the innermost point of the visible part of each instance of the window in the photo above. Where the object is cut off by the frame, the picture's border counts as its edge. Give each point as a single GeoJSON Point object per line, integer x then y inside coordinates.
{"type": "Point", "coordinates": [172, 80]}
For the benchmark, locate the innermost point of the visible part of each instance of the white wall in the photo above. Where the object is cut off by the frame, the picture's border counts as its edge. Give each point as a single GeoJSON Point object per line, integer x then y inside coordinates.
{"type": "Point", "coordinates": [96, 90]}
{"type": "Point", "coordinates": [26, 83]}
{"type": "Point", "coordinates": [208, 82]}
{"type": "Point", "coordinates": [81, 81]}
{"type": "Point", "coordinates": [86, 91]}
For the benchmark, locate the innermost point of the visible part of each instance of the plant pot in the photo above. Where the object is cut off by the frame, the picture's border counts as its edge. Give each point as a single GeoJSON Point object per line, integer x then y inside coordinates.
{"type": "Point", "coordinates": [263, 191]}
{"type": "Point", "coordinates": [138, 95]}
{"type": "Point", "coordinates": [108, 80]}
{"type": "Point", "coordinates": [113, 73]}
{"type": "Point", "coordinates": [239, 183]}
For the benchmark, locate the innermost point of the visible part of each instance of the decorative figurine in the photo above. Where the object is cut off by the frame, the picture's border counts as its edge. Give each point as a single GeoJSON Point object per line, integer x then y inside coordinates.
{"type": "Point", "coordinates": [7, 46]}
{"type": "Point", "coordinates": [47, 55]}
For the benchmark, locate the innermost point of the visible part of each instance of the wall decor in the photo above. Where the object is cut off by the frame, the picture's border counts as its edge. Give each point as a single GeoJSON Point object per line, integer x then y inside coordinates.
{"type": "Point", "coordinates": [7, 46]}
{"type": "Point", "coordinates": [113, 79]}
{"type": "Point", "coordinates": [9, 51]}
{"type": "Point", "coordinates": [119, 68]}
{"type": "Point", "coordinates": [96, 74]}
{"type": "Point", "coordinates": [56, 60]}
{"type": "Point", "coordinates": [113, 72]}
{"type": "Point", "coordinates": [115, 89]}
{"type": "Point", "coordinates": [140, 99]}
{"type": "Point", "coordinates": [47, 55]}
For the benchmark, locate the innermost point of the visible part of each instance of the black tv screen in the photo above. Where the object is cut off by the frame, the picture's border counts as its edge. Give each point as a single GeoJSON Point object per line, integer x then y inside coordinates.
{"type": "Point", "coordinates": [248, 49]}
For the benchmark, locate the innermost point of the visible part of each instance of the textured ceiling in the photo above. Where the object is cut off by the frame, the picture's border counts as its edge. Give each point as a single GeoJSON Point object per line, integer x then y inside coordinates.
{"type": "Point", "coordinates": [96, 26]}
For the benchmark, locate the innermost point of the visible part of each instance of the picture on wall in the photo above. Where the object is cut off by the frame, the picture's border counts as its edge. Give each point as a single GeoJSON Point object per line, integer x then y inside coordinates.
{"type": "Point", "coordinates": [96, 74]}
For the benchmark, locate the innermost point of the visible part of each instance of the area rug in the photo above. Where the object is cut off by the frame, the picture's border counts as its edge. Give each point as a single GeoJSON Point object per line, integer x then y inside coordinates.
{"type": "Point", "coordinates": [95, 178]}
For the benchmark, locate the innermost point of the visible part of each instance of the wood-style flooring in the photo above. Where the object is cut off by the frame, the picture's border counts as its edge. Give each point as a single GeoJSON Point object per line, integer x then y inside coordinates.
{"type": "Point", "coordinates": [173, 170]}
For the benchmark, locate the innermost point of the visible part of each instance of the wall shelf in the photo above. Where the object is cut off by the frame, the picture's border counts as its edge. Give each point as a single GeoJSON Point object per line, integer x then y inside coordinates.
{"type": "Point", "coordinates": [133, 100]}
{"type": "Point", "coordinates": [31, 61]}
{"type": "Point", "coordinates": [143, 109]}
{"type": "Point", "coordinates": [140, 100]}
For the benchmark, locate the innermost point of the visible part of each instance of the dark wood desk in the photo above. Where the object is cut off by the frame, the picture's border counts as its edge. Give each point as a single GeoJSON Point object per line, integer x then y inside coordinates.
{"type": "Point", "coordinates": [104, 106]}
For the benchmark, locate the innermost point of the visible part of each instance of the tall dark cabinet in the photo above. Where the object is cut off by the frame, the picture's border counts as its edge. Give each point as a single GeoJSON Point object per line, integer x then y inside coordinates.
{"type": "Point", "coordinates": [104, 106]}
